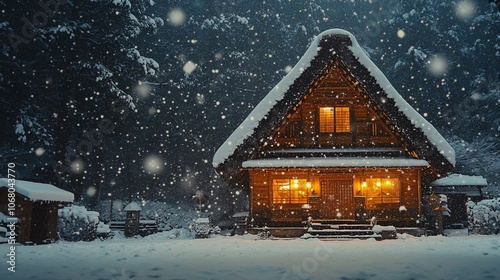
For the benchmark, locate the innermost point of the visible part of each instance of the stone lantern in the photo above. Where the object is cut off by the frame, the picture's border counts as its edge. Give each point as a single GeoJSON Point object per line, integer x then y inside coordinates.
{"type": "Point", "coordinates": [133, 211]}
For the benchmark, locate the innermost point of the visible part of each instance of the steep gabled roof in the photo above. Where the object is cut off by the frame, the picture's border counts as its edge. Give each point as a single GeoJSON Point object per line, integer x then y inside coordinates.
{"type": "Point", "coordinates": [334, 47]}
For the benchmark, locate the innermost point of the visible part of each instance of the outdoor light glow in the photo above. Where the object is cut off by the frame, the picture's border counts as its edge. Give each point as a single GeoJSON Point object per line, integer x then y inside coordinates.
{"type": "Point", "coordinates": [189, 67]}
{"type": "Point", "coordinates": [465, 10]}
{"type": "Point", "coordinates": [401, 34]}
{"type": "Point", "coordinates": [142, 90]}
{"type": "Point", "coordinates": [40, 151]}
{"type": "Point", "coordinates": [77, 166]}
{"type": "Point", "coordinates": [438, 65]}
{"type": "Point", "coordinates": [153, 164]}
{"type": "Point", "coordinates": [176, 17]}
{"type": "Point", "coordinates": [91, 191]}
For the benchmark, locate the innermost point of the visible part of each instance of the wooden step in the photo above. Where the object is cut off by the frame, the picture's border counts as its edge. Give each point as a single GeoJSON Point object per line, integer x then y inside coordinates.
{"type": "Point", "coordinates": [342, 237]}
{"type": "Point", "coordinates": [341, 226]}
{"type": "Point", "coordinates": [340, 232]}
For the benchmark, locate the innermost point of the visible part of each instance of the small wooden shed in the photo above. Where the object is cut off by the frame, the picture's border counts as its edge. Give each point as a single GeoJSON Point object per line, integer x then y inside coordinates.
{"type": "Point", "coordinates": [459, 189]}
{"type": "Point", "coordinates": [36, 206]}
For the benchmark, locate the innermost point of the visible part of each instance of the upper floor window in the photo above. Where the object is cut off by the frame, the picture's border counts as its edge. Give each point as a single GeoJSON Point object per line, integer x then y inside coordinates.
{"type": "Point", "coordinates": [334, 119]}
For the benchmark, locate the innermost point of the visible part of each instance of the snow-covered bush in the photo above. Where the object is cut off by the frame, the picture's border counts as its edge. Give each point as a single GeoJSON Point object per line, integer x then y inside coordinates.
{"type": "Point", "coordinates": [76, 223]}
{"type": "Point", "coordinates": [484, 216]}
{"type": "Point", "coordinates": [265, 233]}
{"type": "Point", "coordinates": [203, 228]}
{"type": "Point", "coordinates": [166, 215]}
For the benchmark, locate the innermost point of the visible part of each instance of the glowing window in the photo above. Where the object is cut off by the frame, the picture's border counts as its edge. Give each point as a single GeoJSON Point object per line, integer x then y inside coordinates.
{"type": "Point", "coordinates": [334, 119]}
{"type": "Point", "coordinates": [290, 190]}
{"type": "Point", "coordinates": [381, 191]}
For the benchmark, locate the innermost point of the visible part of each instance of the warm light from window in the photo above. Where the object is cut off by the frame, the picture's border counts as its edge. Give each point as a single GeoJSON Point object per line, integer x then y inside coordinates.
{"type": "Point", "coordinates": [290, 191]}
{"type": "Point", "coordinates": [379, 191]}
{"type": "Point", "coordinates": [334, 119]}
{"type": "Point", "coordinates": [326, 119]}
{"type": "Point", "coordinates": [342, 117]}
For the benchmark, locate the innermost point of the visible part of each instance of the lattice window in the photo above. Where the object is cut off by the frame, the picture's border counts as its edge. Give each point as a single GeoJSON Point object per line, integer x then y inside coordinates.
{"type": "Point", "coordinates": [381, 191]}
{"type": "Point", "coordinates": [290, 191]}
{"type": "Point", "coordinates": [334, 119]}
{"type": "Point", "coordinates": [342, 119]}
{"type": "Point", "coordinates": [326, 119]}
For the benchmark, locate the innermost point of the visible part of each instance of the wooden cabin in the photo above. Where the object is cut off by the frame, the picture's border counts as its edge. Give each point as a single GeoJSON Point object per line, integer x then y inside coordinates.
{"type": "Point", "coordinates": [334, 141]}
{"type": "Point", "coordinates": [459, 189]}
{"type": "Point", "coordinates": [35, 208]}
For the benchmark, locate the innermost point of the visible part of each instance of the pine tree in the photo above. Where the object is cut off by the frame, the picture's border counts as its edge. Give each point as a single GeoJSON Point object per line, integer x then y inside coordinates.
{"type": "Point", "coordinates": [73, 66]}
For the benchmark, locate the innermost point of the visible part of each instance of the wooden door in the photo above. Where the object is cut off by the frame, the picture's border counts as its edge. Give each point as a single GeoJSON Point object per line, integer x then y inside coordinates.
{"type": "Point", "coordinates": [39, 222]}
{"type": "Point", "coordinates": [337, 199]}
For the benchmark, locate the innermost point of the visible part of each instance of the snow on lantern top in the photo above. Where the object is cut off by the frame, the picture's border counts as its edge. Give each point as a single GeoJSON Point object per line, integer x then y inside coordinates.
{"type": "Point", "coordinates": [132, 206]}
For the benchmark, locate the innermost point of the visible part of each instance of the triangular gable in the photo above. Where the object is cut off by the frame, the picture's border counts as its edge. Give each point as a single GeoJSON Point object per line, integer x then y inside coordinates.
{"type": "Point", "coordinates": [332, 89]}
{"type": "Point", "coordinates": [337, 47]}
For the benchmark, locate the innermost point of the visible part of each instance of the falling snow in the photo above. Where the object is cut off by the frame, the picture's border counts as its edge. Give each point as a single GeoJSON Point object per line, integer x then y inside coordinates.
{"type": "Point", "coordinates": [129, 101]}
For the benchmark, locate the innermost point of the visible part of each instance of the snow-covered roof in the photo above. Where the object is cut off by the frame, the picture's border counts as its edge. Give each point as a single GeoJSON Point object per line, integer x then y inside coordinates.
{"type": "Point", "coordinates": [334, 162]}
{"type": "Point", "coordinates": [340, 150]}
{"type": "Point", "coordinates": [5, 219]}
{"type": "Point", "coordinates": [467, 190]}
{"type": "Point", "coordinates": [132, 206]}
{"type": "Point", "coordinates": [240, 214]}
{"type": "Point", "coordinates": [39, 191]}
{"type": "Point", "coordinates": [202, 221]}
{"type": "Point", "coordinates": [460, 180]}
{"type": "Point", "coordinates": [342, 44]}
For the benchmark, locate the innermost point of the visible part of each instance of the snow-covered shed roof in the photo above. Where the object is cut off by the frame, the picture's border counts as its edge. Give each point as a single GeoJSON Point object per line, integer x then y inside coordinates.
{"type": "Point", "coordinates": [39, 191]}
{"type": "Point", "coordinates": [132, 206]}
{"type": "Point", "coordinates": [471, 191]}
{"type": "Point", "coordinates": [340, 45]}
{"type": "Point", "coordinates": [460, 180]}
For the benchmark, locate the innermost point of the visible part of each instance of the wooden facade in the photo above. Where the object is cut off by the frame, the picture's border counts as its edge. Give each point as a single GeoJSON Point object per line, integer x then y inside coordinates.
{"type": "Point", "coordinates": [336, 147]}
{"type": "Point", "coordinates": [302, 128]}
{"type": "Point", "coordinates": [36, 218]}
{"type": "Point", "coordinates": [335, 194]}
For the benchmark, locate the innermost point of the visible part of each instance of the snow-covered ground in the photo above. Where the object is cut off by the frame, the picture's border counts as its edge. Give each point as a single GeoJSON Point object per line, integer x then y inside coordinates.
{"type": "Point", "coordinates": [243, 257]}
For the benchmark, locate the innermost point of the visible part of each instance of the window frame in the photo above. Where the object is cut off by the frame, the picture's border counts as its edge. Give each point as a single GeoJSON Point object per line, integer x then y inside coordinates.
{"type": "Point", "coordinates": [335, 120]}
{"type": "Point", "coordinates": [294, 196]}
{"type": "Point", "coordinates": [373, 202]}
